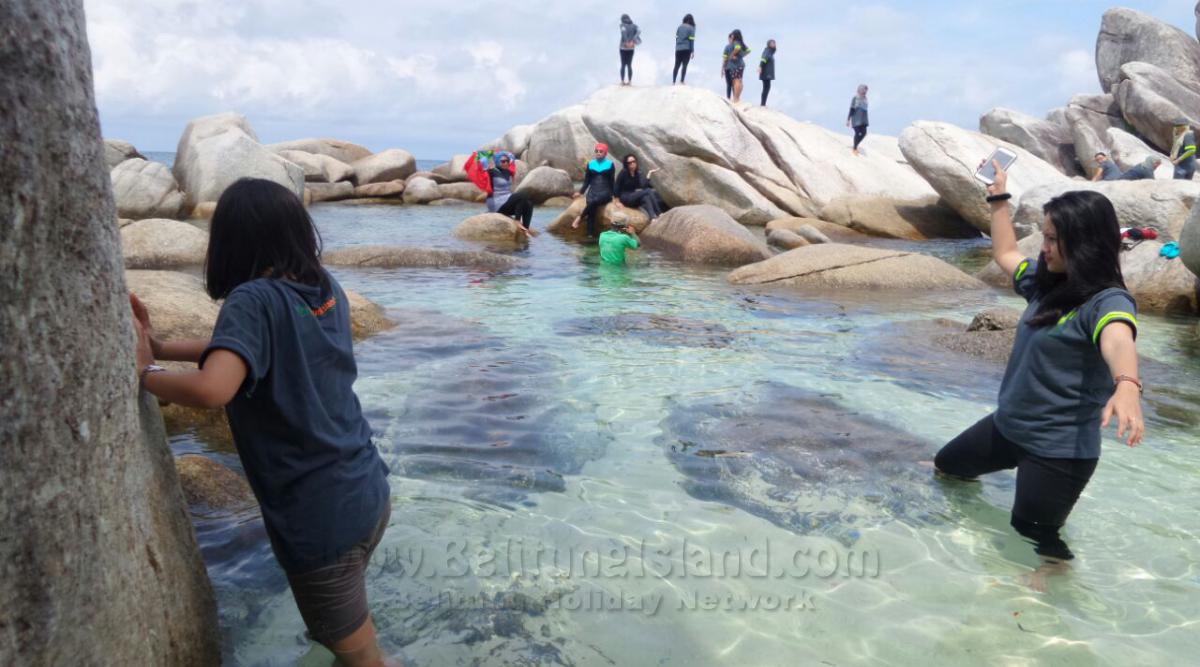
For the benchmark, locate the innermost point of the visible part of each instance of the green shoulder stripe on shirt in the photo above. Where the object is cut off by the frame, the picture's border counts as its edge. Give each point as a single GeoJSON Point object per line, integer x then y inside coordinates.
{"type": "Point", "coordinates": [1021, 268]}
{"type": "Point", "coordinates": [1068, 317]}
{"type": "Point", "coordinates": [1115, 316]}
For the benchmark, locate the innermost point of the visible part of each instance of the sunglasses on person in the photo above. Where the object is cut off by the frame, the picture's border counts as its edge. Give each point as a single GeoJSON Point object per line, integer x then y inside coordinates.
{"type": "Point", "coordinates": [631, 161]}
{"type": "Point", "coordinates": [599, 151]}
{"type": "Point", "coordinates": [503, 160]}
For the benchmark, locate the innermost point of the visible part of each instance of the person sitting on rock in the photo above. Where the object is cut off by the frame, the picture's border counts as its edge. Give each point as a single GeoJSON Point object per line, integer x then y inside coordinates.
{"type": "Point", "coordinates": [281, 363]}
{"type": "Point", "coordinates": [1106, 169]}
{"type": "Point", "coordinates": [598, 186]}
{"type": "Point", "coordinates": [497, 181]}
{"type": "Point", "coordinates": [1143, 170]}
{"type": "Point", "coordinates": [614, 242]}
{"type": "Point", "coordinates": [635, 191]}
{"type": "Point", "coordinates": [1183, 150]}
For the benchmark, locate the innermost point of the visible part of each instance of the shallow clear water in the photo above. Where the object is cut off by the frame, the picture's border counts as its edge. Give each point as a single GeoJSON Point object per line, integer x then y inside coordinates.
{"type": "Point", "coordinates": [662, 436]}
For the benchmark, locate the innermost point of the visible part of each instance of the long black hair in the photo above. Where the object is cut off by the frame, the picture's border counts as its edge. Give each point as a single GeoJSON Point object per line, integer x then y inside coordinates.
{"type": "Point", "coordinates": [1089, 240]}
{"type": "Point", "coordinates": [687, 18]}
{"type": "Point", "coordinates": [737, 37]}
{"type": "Point", "coordinates": [625, 161]}
{"type": "Point", "coordinates": [261, 230]}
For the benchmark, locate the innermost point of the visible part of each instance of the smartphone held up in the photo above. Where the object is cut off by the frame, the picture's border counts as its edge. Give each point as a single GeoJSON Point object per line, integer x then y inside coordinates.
{"type": "Point", "coordinates": [986, 173]}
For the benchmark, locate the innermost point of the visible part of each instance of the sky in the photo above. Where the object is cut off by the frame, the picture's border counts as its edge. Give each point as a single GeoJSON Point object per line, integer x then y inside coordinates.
{"type": "Point", "coordinates": [440, 77]}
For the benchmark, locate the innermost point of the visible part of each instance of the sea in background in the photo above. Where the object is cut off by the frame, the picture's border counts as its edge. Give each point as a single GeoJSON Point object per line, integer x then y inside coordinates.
{"type": "Point", "coordinates": [596, 465]}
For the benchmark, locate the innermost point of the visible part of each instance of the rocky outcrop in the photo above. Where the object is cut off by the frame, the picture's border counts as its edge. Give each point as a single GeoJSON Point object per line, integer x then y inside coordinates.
{"type": "Point", "coordinates": [703, 235]}
{"type": "Point", "coordinates": [215, 151]}
{"type": "Point", "coordinates": [462, 192]}
{"type": "Point", "coordinates": [117, 151]}
{"type": "Point", "coordinates": [376, 190]}
{"type": "Point", "coordinates": [388, 165]}
{"type": "Point", "coordinates": [162, 244]}
{"type": "Point", "coordinates": [1189, 241]}
{"type": "Point", "coordinates": [318, 168]}
{"type": "Point", "coordinates": [1160, 285]}
{"type": "Point", "coordinates": [1049, 141]}
{"type": "Point", "coordinates": [989, 336]}
{"type": "Point", "coordinates": [1090, 118]}
{"type": "Point", "coordinates": [1151, 100]}
{"type": "Point", "coordinates": [836, 232]}
{"type": "Point", "coordinates": [211, 485]}
{"type": "Point", "coordinates": [395, 257]}
{"type": "Point", "coordinates": [812, 234]}
{"type": "Point", "coordinates": [916, 220]}
{"type": "Point", "coordinates": [561, 140]}
{"type": "Point", "coordinates": [342, 151]}
{"type": "Point", "coordinates": [490, 228]}
{"type": "Point", "coordinates": [145, 189]}
{"type": "Point", "coordinates": [319, 192]}
{"type": "Point", "coordinates": [838, 266]}
{"type": "Point", "coordinates": [98, 558]}
{"type": "Point", "coordinates": [785, 239]}
{"type": "Point", "coordinates": [545, 182]}
{"type": "Point", "coordinates": [1129, 36]}
{"type": "Point", "coordinates": [948, 156]}
{"type": "Point", "coordinates": [516, 140]}
{"type": "Point", "coordinates": [1163, 205]}
{"type": "Point", "coordinates": [421, 191]}
{"type": "Point", "coordinates": [561, 226]}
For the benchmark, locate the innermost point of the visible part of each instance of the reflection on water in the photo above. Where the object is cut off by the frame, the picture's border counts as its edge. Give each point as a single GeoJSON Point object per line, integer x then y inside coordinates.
{"type": "Point", "coordinates": [581, 454]}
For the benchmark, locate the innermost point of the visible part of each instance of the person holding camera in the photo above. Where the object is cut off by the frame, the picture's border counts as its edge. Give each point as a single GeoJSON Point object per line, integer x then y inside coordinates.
{"type": "Point", "coordinates": [614, 242]}
{"type": "Point", "coordinates": [1072, 371]}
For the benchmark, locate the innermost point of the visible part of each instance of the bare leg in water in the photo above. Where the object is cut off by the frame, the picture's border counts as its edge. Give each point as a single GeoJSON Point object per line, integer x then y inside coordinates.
{"type": "Point", "coordinates": [361, 649]}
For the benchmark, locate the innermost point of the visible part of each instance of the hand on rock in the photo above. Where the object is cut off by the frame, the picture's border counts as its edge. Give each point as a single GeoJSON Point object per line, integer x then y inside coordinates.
{"type": "Point", "coordinates": [142, 317]}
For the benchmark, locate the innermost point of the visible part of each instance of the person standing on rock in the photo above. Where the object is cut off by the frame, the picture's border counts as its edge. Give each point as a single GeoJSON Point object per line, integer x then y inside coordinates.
{"type": "Point", "coordinates": [498, 182]}
{"type": "Point", "coordinates": [598, 186]}
{"type": "Point", "coordinates": [630, 38]}
{"type": "Point", "coordinates": [1183, 150]}
{"type": "Point", "coordinates": [634, 190]}
{"type": "Point", "coordinates": [685, 48]}
{"type": "Point", "coordinates": [1073, 368]}
{"type": "Point", "coordinates": [281, 363]}
{"type": "Point", "coordinates": [857, 118]}
{"type": "Point", "coordinates": [733, 66]}
{"type": "Point", "coordinates": [766, 70]}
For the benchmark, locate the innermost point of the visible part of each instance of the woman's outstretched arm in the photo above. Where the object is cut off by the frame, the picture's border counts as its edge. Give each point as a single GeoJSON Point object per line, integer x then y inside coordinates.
{"type": "Point", "coordinates": [1004, 237]}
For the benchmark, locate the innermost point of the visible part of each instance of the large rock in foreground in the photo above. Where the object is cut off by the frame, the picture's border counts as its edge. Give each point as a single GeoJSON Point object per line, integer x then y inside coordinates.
{"type": "Point", "coordinates": [704, 235]}
{"type": "Point", "coordinates": [1160, 285]}
{"type": "Point", "coordinates": [394, 257]}
{"type": "Point", "coordinates": [1163, 205]}
{"type": "Point", "coordinates": [839, 266]}
{"type": "Point", "coordinates": [561, 226]}
{"type": "Point", "coordinates": [1049, 141]}
{"type": "Point", "coordinates": [1129, 36]}
{"type": "Point", "coordinates": [215, 151]}
{"type": "Point", "coordinates": [162, 244]}
{"type": "Point", "coordinates": [146, 190]}
{"type": "Point", "coordinates": [490, 228]}
{"type": "Point", "coordinates": [916, 220]}
{"type": "Point", "coordinates": [342, 151]}
{"type": "Point", "coordinates": [948, 156]}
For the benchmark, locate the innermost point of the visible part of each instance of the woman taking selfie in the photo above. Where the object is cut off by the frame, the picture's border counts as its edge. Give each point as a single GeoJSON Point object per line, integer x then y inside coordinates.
{"type": "Point", "coordinates": [281, 363]}
{"type": "Point", "coordinates": [1073, 367]}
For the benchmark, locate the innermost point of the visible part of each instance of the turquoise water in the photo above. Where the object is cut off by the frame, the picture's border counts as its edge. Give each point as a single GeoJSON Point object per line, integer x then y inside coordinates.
{"type": "Point", "coordinates": [659, 434]}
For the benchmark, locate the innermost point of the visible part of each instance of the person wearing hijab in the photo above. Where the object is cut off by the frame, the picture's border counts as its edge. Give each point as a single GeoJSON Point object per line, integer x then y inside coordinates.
{"type": "Point", "coordinates": [598, 186]}
{"type": "Point", "coordinates": [685, 47]}
{"type": "Point", "coordinates": [733, 66]}
{"type": "Point", "coordinates": [858, 116]}
{"type": "Point", "coordinates": [766, 70]}
{"type": "Point", "coordinates": [1183, 150]}
{"type": "Point", "coordinates": [498, 180]}
{"type": "Point", "coordinates": [630, 38]}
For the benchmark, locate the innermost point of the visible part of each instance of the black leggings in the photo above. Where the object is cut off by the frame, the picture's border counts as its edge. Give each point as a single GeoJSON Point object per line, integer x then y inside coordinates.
{"type": "Point", "coordinates": [592, 211]}
{"type": "Point", "coordinates": [860, 133]}
{"type": "Point", "coordinates": [728, 84]}
{"type": "Point", "coordinates": [1046, 488]}
{"type": "Point", "coordinates": [646, 199]}
{"type": "Point", "coordinates": [682, 58]}
{"type": "Point", "coordinates": [518, 206]}
{"type": "Point", "coordinates": [626, 63]}
{"type": "Point", "coordinates": [766, 90]}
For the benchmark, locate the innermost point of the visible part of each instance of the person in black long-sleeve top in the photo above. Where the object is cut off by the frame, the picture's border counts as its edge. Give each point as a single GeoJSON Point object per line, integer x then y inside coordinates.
{"type": "Point", "coordinates": [766, 70]}
{"type": "Point", "coordinates": [598, 185]}
{"type": "Point", "coordinates": [635, 191]}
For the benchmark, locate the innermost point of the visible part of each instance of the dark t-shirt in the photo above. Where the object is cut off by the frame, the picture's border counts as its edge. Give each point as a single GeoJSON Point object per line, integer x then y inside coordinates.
{"type": "Point", "coordinates": [1109, 171]}
{"type": "Point", "coordinates": [297, 423]}
{"type": "Point", "coordinates": [1057, 383]}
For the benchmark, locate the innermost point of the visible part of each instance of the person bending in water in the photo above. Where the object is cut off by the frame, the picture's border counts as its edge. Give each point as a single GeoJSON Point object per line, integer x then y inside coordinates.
{"type": "Point", "coordinates": [766, 70]}
{"type": "Point", "coordinates": [635, 191]}
{"type": "Point", "coordinates": [858, 116]}
{"type": "Point", "coordinates": [497, 181]}
{"type": "Point", "coordinates": [733, 66]}
{"type": "Point", "coordinates": [598, 188]}
{"type": "Point", "coordinates": [685, 48]}
{"type": "Point", "coordinates": [1073, 367]}
{"type": "Point", "coordinates": [614, 242]}
{"type": "Point", "coordinates": [281, 362]}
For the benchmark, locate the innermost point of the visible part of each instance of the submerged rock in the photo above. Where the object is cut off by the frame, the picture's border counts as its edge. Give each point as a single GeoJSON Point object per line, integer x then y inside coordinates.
{"type": "Point", "coordinates": [835, 265]}
{"type": "Point", "coordinates": [704, 235]}
{"type": "Point", "coordinates": [490, 227]}
{"type": "Point", "coordinates": [207, 483]}
{"type": "Point", "coordinates": [663, 330]}
{"type": "Point", "coordinates": [393, 257]}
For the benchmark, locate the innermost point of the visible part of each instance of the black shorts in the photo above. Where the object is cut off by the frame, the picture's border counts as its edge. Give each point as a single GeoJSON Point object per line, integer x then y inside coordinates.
{"type": "Point", "coordinates": [333, 599]}
{"type": "Point", "coordinates": [735, 73]}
